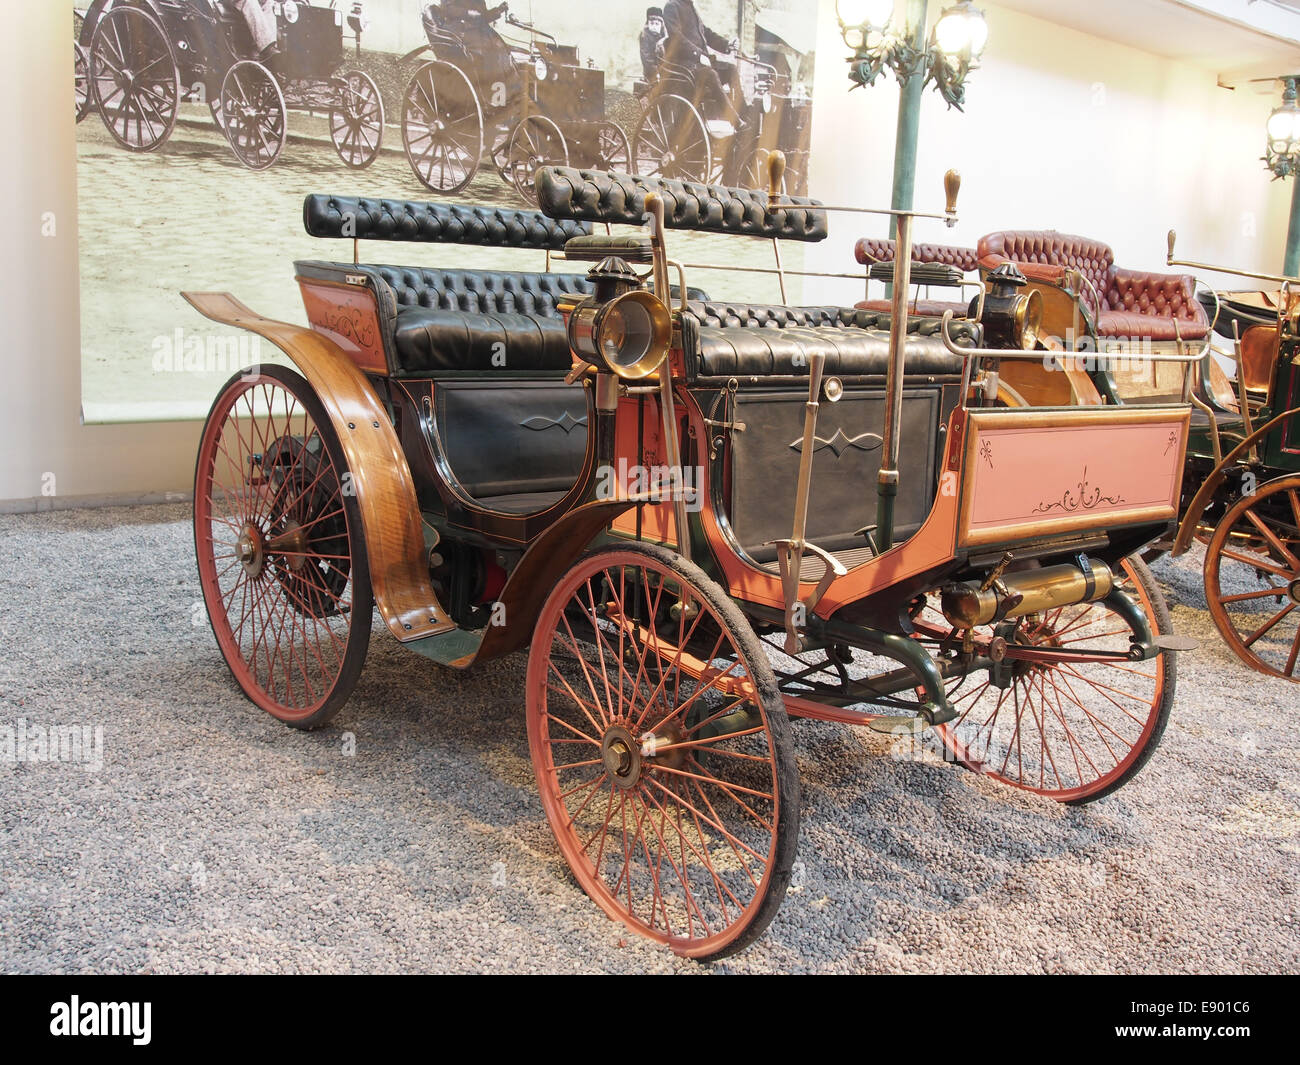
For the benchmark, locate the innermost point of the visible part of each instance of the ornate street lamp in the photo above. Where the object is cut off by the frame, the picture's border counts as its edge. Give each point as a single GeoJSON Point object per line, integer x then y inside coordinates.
{"type": "Point", "coordinates": [1282, 156]}
{"type": "Point", "coordinates": [952, 51]}
{"type": "Point", "coordinates": [955, 44]}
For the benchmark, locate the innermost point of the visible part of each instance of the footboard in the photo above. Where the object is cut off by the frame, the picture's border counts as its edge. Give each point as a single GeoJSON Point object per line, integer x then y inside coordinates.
{"type": "Point", "coordinates": [1035, 474]}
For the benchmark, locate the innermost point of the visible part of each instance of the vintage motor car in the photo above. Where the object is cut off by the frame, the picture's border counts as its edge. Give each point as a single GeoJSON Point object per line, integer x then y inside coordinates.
{"type": "Point", "coordinates": [699, 518]}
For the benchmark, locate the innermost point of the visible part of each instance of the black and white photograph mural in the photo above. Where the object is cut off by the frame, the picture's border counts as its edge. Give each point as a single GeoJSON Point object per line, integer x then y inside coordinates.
{"type": "Point", "coordinates": [203, 123]}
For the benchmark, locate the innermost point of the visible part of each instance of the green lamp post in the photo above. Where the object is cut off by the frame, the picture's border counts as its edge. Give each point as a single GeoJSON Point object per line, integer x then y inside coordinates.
{"type": "Point", "coordinates": [1282, 157]}
{"type": "Point", "coordinates": [952, 51]}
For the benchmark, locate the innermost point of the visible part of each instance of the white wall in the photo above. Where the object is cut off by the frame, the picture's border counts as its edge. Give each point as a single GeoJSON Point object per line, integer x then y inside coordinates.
{"type": "Point", "coordinates": [40, 387]}
{"type": "Point", "coordinates": [1061, 131]}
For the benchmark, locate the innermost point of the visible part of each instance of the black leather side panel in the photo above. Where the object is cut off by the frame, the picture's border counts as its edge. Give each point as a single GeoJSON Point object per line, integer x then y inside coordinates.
{"type": "Point", "coordinates": [765, 466]}
{"type": "Point", "coordinates": [510, 438]}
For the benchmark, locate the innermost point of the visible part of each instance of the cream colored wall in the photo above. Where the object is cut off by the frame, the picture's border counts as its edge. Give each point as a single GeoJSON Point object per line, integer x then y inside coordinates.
{"type": "Point", "coordinates": [40, 387]}
{"type": "Point", "coordinates": [1061, 131]}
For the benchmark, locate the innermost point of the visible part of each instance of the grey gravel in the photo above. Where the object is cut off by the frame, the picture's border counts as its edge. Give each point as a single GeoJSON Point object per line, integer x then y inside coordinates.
{"type": "Point", "coordinates": [214, 839]}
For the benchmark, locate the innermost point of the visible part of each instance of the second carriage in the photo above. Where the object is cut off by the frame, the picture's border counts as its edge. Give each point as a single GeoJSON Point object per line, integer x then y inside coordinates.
{"type": "Point", "coordinates": [137, 61]}
{"type": "Point", "coordinates": [492, 81]}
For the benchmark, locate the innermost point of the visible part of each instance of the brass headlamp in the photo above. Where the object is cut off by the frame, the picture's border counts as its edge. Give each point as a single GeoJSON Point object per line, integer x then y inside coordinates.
{"type": "Point", "coordinates": [621, 327]}
{"type": "Point", "coordinates": [1011, 320]}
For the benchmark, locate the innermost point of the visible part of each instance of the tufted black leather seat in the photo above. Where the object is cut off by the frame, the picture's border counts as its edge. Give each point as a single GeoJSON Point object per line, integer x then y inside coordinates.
{"type": "Point", "coordinates": [754, 340]}
{"type": "Point", "coordinates": [565, 192]}
{"type": "Point", "coordinates": [480, 320]}
{"type": "Point", "coordinates": [435, 223]}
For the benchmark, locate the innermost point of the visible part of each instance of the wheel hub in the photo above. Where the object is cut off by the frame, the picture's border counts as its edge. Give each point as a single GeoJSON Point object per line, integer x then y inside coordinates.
{"type": "Point", "coordinates": [622, 757]}
{"type": "Point", "coordinates": [1293, 590]}
{"type": "Point", "coordinates": [248, 549]}
{"type": "Point", "coordinates": [292, 543]}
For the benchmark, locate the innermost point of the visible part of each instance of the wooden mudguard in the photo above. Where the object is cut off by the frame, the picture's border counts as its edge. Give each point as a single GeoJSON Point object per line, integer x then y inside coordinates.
{"type": "Point", "coordinates": [384, 487]}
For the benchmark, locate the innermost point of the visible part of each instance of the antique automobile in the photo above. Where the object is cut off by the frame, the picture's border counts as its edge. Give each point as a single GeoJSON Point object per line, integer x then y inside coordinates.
{"type": "Point", "coordinates": [699, 518]}
{"type": "Point", "coordinates": [516, 86]}
{"type": "Point", "coordinates": [680, 135]}
{"type": "Point", "coordinates": [143, 58]}
{"type": "Point", "coordinates": [1241, 485]}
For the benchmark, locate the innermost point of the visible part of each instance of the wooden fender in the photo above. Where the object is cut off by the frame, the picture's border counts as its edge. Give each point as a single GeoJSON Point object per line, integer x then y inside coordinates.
{"type": "Point", "coordinates": [381, 478]}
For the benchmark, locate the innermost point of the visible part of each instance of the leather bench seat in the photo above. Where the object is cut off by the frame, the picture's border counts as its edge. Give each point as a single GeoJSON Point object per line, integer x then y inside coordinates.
{"type": "Point", "coordinates": [481, 321]}
{"type": "Point", "coordinates": [430, 342]}
{"type": "Point", "coordinates": [754, 340]}
{"type": "Point", "coordinates": [737, 351]}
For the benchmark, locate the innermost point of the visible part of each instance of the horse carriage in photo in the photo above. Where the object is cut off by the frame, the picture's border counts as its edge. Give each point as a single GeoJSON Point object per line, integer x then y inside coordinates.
{"type": "Point", "coordinates": [1241, 486]}
{"type": "Point", "coordinates": [138, 60]}
{"type": "Point", "coordinates": [681, 135]}
{"type": "Point", "coordinates": [498, 82]}
{"type": "Point", "coordinates": [698, 517]}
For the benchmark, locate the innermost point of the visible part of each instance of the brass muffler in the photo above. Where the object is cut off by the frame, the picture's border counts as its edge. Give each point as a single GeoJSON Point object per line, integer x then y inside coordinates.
{"type": "Point", "coordinates": [968, 604]}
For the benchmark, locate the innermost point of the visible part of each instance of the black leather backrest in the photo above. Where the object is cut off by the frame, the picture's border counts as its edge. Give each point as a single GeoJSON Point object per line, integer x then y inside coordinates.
{"type": "Point", "coordinates": [600, 196]}
{"type": "Point", "coordinates": [435, 223]}
{"type": "Point", "coordinates": [482, 291]}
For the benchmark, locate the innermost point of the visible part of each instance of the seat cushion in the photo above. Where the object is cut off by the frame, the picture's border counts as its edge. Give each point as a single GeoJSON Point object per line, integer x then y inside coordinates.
{"type": "Point", "coordinates": [430, 341]}
{"type": "Point", "coordinates": [1148, 326]}
{"type": "Point", "coordinates": [741, 352]}
{"type": "Point", "coordinates": [928, 308]}
{"type": "Point", "coordinates": [1222, 418]}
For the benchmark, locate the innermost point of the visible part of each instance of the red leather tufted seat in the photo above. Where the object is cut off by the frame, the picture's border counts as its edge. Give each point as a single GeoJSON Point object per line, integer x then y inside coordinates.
{"type": "Point", "coordinates": [870, 250]}
{"type": "Point", "coordinates": [1125, 303]}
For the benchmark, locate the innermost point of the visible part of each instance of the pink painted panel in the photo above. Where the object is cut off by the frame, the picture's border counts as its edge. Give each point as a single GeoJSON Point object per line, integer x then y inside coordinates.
{"type": "Point", "coordinates": [1024, 477]}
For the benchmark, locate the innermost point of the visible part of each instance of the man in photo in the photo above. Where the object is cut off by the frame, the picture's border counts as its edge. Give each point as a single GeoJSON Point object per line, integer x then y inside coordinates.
{"type": "Point", "coordinates": [687, 46]}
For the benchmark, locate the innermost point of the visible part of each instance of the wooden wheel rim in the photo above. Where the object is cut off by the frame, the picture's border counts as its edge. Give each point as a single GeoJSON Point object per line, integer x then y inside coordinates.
{"type": "Point", "coordinates": [535, 142]}
{"type": "Point", "coordinates": [133, 78]}
{"type": "Point", "coordinates": [1253, 540]}
{"type": "Point", "coordinates": [282, 569]}
{"type": "Point", "coordinates": [253, 114]}
{"type": "Point", "coordinates": [668, 881]}
{"type": "Point", "coordinates": [357, 120]}
{"type": "Point", "coordinates": [430, 135]}
{"type": "Point", "coordinates": [1073, 731]}
{"type": "Point", "coordinates": [613, 149]}
{"type": "Point", "coordinates": [661, 147]}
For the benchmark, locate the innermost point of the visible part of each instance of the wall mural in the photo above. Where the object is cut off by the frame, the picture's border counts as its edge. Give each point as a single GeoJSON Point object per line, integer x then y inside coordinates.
{"type": "Point", "coordinates": [203, 123]}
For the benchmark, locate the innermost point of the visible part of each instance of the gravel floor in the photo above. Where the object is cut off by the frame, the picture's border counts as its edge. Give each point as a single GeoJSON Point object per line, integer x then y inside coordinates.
{"type": "Point", "coordinates": [215, 839]}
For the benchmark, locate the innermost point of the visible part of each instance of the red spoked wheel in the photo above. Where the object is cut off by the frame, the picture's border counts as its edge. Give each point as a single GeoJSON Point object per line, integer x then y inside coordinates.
{"type": "Point", "coordinates": [280, 547]}
{"type": "Point", "coordinates": [1252, 577]}
{"type": "Point", "coordinates": [1064, 714]}
{"type": "Point", "coordinates": [662, 750]}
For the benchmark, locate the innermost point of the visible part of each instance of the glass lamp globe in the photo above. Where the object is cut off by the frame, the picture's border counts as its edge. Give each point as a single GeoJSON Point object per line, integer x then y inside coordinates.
{"type": "Point", "coordinates": [961, 30]}
{"type": "Point", "coordinates": [1284, 129]}
{"type": "Point", "coordinates": [873, 13]}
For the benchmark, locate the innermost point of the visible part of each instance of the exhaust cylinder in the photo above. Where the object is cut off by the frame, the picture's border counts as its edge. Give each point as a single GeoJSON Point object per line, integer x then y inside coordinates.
{"type": "Point", "coordinates": [967, 604]}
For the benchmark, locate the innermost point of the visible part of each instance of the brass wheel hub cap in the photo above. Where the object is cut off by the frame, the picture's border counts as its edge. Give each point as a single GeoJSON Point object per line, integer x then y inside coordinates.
{"type": "Point", "coordinates": [1293, 590]}
{"type": "Point", "coordinates": [248, 549]}
{"type": "Point", "coordinates": [621, 755]}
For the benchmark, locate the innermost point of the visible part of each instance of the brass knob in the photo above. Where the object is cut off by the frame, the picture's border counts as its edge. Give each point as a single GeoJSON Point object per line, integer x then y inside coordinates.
{"type": "Point", "coordinates": [775, 175]}
{"type": "Point", "coordinates": [1169, 258]}
{"type": "Point", "coordinates": [951, 186]}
